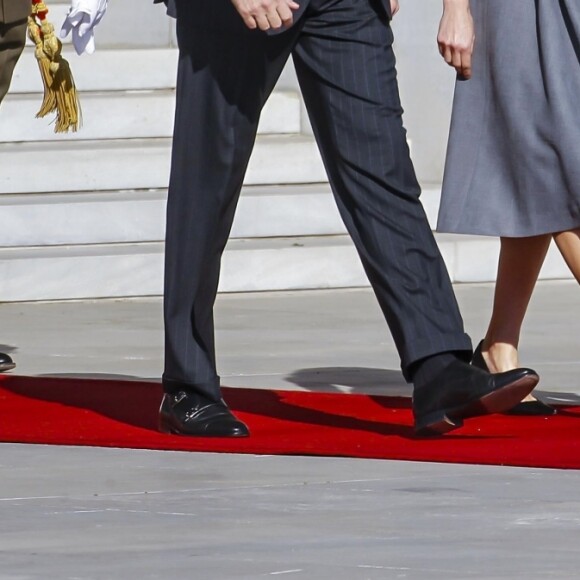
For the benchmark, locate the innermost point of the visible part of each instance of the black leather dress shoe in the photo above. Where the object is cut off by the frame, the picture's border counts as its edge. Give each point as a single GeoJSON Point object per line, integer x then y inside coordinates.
{"type": "Point", "coordinates": [187, 413]}
{"type": "Point", "coordinates": [462, 391]}
{"type": "Point", "coordinates": [6, 363]}
{"type": "Point", "coordinates": [537, 407]}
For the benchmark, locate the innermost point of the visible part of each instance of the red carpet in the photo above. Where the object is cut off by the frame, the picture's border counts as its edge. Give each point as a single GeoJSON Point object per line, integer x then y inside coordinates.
{"type": "Point", "coordinates": [124, 414]}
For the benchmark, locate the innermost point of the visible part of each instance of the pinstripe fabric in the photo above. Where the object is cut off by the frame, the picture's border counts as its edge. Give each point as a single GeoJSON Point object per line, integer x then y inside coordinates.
{"type": "Point", "coordinates": [346, 69]}
{"type": "Point", "coordinates": [221, 88]}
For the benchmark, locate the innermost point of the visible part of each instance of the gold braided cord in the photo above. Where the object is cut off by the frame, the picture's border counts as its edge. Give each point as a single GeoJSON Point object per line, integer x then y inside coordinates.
{"type": "Point", "coordinates": [39, 8]}
{"type": "Point", "coordinates": [60, 94]}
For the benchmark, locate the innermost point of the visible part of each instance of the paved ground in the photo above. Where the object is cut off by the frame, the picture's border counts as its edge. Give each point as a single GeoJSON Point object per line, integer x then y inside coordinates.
{"type": "Point", "coordinates": [82, 513]}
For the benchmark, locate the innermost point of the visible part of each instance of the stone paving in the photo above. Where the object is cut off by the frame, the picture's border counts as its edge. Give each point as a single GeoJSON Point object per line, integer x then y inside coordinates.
{"type": "Point", "coordinates": [89, 513]}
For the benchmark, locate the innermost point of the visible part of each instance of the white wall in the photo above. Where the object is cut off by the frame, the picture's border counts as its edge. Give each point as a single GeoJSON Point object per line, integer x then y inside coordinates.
{"type": "Point", "coordinates": [426, 85]}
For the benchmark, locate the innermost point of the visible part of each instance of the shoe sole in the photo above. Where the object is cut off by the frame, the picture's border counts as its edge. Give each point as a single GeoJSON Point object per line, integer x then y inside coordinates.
{"type": "Point", "coordinates": [499, 401]}
{"type": "Point", "coordinates": [7, 367]}
{"type": "Point", "coordinates": [165, 426]}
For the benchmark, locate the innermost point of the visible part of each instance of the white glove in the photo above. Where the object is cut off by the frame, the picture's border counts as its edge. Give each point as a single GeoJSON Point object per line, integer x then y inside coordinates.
{"type": "Point", "coordinates": [81, 19]}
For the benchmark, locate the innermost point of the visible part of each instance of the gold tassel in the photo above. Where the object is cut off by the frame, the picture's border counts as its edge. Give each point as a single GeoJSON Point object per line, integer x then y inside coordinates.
{"type": "Point", "coordinates": [60, 93]}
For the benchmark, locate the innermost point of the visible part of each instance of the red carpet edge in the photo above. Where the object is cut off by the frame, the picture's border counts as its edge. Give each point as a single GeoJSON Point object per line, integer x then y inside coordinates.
{"type": "Point", "coordinates": [116, 413]}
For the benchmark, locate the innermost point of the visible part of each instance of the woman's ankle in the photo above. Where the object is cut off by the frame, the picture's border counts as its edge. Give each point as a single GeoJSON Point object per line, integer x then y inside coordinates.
{"type": "Point", "coordinates": [500, 356]}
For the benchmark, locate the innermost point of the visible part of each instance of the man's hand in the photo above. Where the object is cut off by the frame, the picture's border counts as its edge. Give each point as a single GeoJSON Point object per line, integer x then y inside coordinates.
{"type": "Point", "coordinates": [266, 14]}
{"type": "Point", "coordinates": [394, 7]}
{"type": "Point", "coordinates": [456, 36]}
{"type": "Point", "coordinates": [81, 20]}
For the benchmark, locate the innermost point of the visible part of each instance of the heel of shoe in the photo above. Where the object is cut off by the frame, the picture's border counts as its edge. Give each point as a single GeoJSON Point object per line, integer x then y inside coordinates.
{"type": "Point", "coordinates": [164, 421]}
{"type": "Point", "coordinates": [535, 408]}
{"type": "Point", "coordinates": [163, 425]}
{"type": "Point", "coordinates": [436, 423]}
{"type": "Point", "coordinates": [478, 361]}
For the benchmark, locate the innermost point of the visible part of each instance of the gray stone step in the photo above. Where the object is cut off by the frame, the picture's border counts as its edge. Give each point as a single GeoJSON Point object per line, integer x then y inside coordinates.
{"type": "Point", "coordinates": [474, 259]}
{"type": "Point", "coordinates": [100, 271]}
{"type": "Point", "coordinates": [129, 115]}
{"type": "Point", "coordinates": [139, 216]}
{"type": "Point", "coordinates": [141, 164]}
{"type": "Point", "coordinates": [50, 273]}
{"type": "Point", "coordinates": [105, 70]}
{"type": "Point", "coordinates": [119, 70]}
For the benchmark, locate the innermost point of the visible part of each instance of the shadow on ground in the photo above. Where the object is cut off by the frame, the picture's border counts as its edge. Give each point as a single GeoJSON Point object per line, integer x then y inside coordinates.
{"type": "Point", "coordinates": [357, 380]}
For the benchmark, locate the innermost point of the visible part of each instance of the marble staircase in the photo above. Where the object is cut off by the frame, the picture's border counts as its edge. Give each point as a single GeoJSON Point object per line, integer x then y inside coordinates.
{"type": "Point", "coordinates": [82, 215]}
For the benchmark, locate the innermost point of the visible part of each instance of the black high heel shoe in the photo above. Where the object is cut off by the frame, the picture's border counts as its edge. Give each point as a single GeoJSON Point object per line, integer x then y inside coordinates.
{"type": "Point", "coordinates": [6, 363]}
{"type": "Point", "coordinates": [536, 407]}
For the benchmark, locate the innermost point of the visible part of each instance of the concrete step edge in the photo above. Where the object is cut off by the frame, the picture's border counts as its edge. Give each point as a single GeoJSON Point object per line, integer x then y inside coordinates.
{"type": "Point", "coordinates": [121, 164]}
{"type": "Point", "coordinates": [128, 115]}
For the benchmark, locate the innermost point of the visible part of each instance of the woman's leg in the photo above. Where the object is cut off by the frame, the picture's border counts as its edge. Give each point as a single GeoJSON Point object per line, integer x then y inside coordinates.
{"type": "Point", "coordinates": [569, 245]}
{"type": "Point", "coordinates": [519, 266]}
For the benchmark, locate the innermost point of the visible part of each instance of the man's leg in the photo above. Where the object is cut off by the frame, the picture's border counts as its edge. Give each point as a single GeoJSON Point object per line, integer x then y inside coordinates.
{"type": "Point", "coordinates": [12, 40]}
{"type": "Point", "coordinates": [346, 69]}
{"type": "Point", "coordinates": [226, 73]}
{"type": "Point", "coordinates": [349, 83]}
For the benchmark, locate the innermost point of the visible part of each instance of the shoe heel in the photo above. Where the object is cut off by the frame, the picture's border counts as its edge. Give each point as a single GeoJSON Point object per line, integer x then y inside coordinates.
{"type": "Point", "coordinates": [163, 425]}
{"type": "Point", "coordinates": [437, 423]}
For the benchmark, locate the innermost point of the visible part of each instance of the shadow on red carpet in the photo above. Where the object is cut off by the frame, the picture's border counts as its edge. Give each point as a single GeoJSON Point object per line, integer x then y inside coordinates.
{"type": "Point", "coordinates": [123, 414]}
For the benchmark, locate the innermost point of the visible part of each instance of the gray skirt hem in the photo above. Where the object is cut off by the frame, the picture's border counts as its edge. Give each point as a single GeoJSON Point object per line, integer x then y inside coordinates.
{"type": "Point", "coordinates": [507, 233]}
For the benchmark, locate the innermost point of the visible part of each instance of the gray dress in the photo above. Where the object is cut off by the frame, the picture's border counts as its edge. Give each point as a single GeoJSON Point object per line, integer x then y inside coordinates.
{"type": "Point", "coordinates": [513, 160]}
